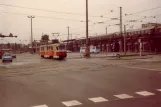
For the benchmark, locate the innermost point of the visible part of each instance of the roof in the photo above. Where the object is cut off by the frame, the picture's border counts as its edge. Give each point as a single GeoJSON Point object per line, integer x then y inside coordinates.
{"type": "Point", "coordinates": [57, 44]}
{"type": "Point", "coordinates": [141, 29]}
{"type": "Point", "coordinates": [5, 49]}
{"type": "Point", "coordinates": [115, 33]}
{"type": "Point", "coordinates": [69, 40]}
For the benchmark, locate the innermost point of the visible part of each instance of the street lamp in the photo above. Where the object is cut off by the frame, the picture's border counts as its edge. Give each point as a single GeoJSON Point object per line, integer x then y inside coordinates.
{"type": "Point", "coordinates": [31, 17]}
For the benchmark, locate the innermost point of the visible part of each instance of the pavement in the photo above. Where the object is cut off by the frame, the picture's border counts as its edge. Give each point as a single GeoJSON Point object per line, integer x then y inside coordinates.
{"type": "Point", "coordinates": [148, 61]}
{"type": "Point", "coordinates": [81, 82]}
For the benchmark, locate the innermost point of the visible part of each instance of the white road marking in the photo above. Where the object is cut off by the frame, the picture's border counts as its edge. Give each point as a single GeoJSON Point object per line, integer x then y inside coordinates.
{"type": "Point", "coordinates": [123, 96]}
{"type": "Point", "coordinates": [158, 89]}
{"type": "Point", "coordinates": [98, 99]}
{"type": "Point", "coordinates": [41, 106]}
{"type": "Point", "coordinates": [145, 93]}
{"type": "Point", "coordinates": [71, 103]}
{"type": "Point", "coordinates": [142, 68]}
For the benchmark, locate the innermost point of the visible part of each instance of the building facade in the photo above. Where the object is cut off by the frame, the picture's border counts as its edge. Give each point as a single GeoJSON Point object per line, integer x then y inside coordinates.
{"type": "Point", "coordinates": [150, 37]}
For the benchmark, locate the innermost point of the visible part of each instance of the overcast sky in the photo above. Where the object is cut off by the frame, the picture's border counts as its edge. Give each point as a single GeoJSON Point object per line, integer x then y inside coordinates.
{"type": "Point", "coordinates": [20, 25]}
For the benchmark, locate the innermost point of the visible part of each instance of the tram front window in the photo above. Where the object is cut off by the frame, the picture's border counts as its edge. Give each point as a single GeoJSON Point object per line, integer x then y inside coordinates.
{"type": "Point", "coordinates": [61, 47]}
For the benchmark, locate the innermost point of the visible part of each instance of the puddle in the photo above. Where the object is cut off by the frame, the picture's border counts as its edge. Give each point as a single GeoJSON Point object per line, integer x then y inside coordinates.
{"type": "Point", "coordinates": [8, 65]}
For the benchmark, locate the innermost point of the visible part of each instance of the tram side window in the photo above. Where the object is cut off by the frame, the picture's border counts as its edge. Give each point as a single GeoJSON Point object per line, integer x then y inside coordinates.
{"type": "Point", "coordinates": [51, 48]}
{"type": "Point", "coordinates": [45, 48]}
{"type": "Point", "coordinates": [42, 48]}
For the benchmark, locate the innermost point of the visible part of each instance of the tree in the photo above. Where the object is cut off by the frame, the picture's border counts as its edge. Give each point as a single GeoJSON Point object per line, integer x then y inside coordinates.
{"type": "Point", "coordinates": [45, 37]}
{"type": "Point", "coordinates": [11, 35]}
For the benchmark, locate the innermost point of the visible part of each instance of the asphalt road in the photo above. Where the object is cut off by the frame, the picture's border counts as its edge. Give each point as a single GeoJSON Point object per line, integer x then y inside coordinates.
{"type": "Point", "coordinates": [34, 82]}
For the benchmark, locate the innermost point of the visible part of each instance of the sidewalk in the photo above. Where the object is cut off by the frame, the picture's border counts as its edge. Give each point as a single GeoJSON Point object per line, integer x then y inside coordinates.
{"type": "Point", "coordinates": [113, 55]}
{"type": "Point", "coordinates": [130, 60]}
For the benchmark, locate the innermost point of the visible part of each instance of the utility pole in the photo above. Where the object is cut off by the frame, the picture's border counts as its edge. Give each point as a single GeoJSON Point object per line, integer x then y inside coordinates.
{"type": "Point", "coordinates": [121, 22]}
{"type": "Point", "coordinates": [125, 39]}
{"type": "Point", "coordinates": [106, 30]}
{"type": "Point", "coordinates": [87, 51]}
{"type": "Point", "coordinates": [71, 36]}
{"type": "Point", "coordinates": [68, 33]}
{"type": "Point", "coordinates": [31, 17]}
{"type": "Point", "coordinates": [67, 39]}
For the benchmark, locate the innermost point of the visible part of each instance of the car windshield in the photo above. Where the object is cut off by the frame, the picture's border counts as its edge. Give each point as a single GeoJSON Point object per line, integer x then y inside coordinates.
{"type": "Point", "coordinates": [7, 54]}
{"type": "Point", "coordinates": [80, 53]}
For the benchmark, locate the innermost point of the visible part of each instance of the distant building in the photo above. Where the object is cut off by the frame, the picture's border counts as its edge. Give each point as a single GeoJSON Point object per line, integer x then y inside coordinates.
{"type": "Point", "coordinates": [148, 25]}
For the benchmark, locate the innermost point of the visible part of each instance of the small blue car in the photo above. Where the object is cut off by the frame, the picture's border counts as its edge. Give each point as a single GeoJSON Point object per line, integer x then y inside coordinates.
{"type": "Point", "coordinates": [7, 57]}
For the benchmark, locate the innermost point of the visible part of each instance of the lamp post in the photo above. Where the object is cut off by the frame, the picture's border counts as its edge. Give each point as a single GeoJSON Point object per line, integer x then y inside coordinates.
{"type": "Point", "coordinates": [31, 17]}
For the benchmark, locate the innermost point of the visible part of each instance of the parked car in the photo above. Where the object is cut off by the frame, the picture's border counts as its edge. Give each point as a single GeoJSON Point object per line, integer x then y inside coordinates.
{"type": "Point", "coordinates": [7, 57]}
{"type": "Point", "coordinates": [1, 54]}
{"type": "Point", "coordinates": [13, 55]}
{"type": "Point", "coordinates": [2, 51]}
{"type": "Point", "coordinates": [93, 49]}
{"type": "Point", "coordinates": [68, 51]}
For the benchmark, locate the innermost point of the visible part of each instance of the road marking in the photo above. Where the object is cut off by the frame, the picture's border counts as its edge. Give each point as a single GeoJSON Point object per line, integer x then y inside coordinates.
{"type": "Point", "coordinates": [41, 106]}
{"type": "Point", "coordinates": [71, 103]}
{"type": "Point", "coordinates": [158, 89]}
{"type": "Point", "coordinates": [145, 93]}
{"type": "Point", "coordinates": [149, 69]}
{"type": "Point", "coordinates": [123, 96]}
{"type": "Point", "coordinates": [98, 99]}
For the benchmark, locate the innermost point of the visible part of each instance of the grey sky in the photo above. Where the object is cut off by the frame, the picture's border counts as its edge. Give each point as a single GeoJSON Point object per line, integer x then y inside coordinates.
{"type": "Point", "coordinates": [20, 24]}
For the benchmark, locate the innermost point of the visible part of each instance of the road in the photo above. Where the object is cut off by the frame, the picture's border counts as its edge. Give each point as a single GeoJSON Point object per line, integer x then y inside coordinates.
{"type": "Point", "coordinates": [34, 82]}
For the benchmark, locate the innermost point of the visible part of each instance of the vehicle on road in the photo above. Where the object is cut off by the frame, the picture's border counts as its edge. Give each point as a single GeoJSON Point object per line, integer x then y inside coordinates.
{"type": "Point", "coordinates": [93, 49]}
{"type": "Point", "coordinates": [56, 51]}
{"type": "Point", "coordinates": [68, 51]}
{"type": "Point", "coordinates": [13, 55]}
{"type": "Point", "coordinates": [7, 57]}
{"type": "Point", "coordinates": [2, 51]}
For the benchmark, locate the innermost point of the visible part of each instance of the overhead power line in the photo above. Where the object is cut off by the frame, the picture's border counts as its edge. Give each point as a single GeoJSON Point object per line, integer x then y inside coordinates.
{"type": "Point", "coordinates": [137, 12]}
{"type": "Point", "coordinates": [144, 10]}
{"type": "Point", "coordinates": [42, 16]}
{"type": "Point", "coordinates": [48, 10]}
{"type": "Point", "coordinates": [141, 19]}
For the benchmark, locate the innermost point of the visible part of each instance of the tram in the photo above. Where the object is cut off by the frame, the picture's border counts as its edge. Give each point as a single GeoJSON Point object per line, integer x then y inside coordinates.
{"type": "Point", "coordinates": [56, 51]}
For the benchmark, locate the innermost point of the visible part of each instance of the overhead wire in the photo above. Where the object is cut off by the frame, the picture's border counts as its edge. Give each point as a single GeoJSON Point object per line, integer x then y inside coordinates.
{"type": "Point", "coordinates": [47, 10]}
{"type": "Point", "coordinates": [145, 10]}
{"type": "Point", "coordinates": [144, 17]}
{"type": "Point", "coordinates": [138, 12]}
{"type": "Point", "coordinates": [147, 17]}
{"type": "Point", "coordinates": [41, 16]}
